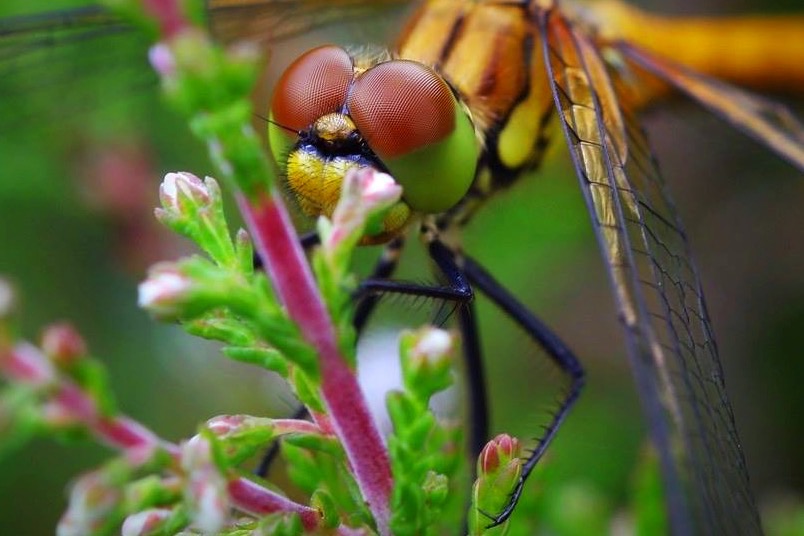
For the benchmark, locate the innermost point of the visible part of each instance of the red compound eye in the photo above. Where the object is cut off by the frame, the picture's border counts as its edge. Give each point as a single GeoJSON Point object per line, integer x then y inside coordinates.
{"type": "Point", "coordinates": [314, 85]}
{"type": "Point", "coordinates": [400, 106]}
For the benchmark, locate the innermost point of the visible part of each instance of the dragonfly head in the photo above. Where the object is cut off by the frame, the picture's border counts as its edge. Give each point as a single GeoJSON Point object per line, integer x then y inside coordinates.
{"type": "Point", "coordinates": [397, 116]}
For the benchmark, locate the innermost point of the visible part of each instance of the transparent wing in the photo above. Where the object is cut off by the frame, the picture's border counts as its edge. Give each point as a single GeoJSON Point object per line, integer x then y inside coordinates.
{"type": "Point", "coordinates": [269, 20]}
{"type": "Point", "coordinates": [44, 57]}
{"type": "Point", "coordinates": [49, 61]}
{"type": "Point", "coordinates": [766, 121]}
{"type": "Point", "coordinates": [658, 293]}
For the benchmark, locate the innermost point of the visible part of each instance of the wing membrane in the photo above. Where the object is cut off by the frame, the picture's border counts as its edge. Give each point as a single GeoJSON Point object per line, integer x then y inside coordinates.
{"type": "Point", "coordinates": [766, 121]}
{"type": "Point", "coordinates": [270, 20]}
{"type": "Point", "coordinates": [657, 290]}
{"type": "Point", "coordinates": [54, 57]}
{"type": "Point", "coordinates": [54, 64]}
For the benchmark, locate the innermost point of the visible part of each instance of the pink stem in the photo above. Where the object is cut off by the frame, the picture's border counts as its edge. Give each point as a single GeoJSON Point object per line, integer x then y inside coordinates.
{"type": "Point", "coordinates": [169, 15]}
{"type": "Point", "coordinates": [244, 491]}
{"type": "Point", "coordinates": [276, 241]}
{"type": "Point", "coordinates": [20, 364]}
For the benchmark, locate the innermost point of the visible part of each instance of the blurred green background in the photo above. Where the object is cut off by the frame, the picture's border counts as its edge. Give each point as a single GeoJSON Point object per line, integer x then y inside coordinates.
{"type": "Point", "coordinates": [85, 139]}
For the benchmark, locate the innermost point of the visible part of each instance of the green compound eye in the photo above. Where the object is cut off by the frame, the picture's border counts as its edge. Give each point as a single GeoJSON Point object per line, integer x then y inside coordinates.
{"type": "Point", "coordinates": [409, 117]}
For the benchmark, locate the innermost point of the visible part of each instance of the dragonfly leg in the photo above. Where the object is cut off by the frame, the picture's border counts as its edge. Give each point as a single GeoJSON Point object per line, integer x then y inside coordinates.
{"type": "Point", "coordinates": [307, 240]}
{"type": "Point", "coordinates": [456, 290]}
{"type": "Point", "coordinates": [558, 352]}
{"type": "Point", "coordinates": [384, 268]}
{"type": "Point", "coordinates": [462, 274]}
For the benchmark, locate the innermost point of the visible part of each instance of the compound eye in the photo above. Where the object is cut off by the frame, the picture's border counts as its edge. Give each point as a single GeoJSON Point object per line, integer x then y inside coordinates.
{"type": "Point", "coordinates": [400, 106]}
{"type": "Point", "coordinates": [314, 85]}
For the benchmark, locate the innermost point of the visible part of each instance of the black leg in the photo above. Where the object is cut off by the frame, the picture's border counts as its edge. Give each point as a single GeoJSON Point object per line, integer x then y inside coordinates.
{"type": "Point", "coordinates": [460, 280]}
{"type": "Point", "coordinates": [558, 352]}
{"type": "Point", "coordinates": [456, 290]}
{"type": "Point", "coordinates": [459, 290]}
{"type": "Point", "coordinates": [383, 269]}
{"type": "Point", "coordinates": [272, 451]}
{"type": "Point", "coordinates": [307, 240]}
{"type": "Point", "coordinates": [476, 380]}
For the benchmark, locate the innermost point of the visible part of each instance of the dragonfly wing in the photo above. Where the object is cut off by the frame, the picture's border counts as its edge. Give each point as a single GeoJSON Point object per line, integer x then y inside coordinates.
{"type": "Point", "coordinates": [53, 58]}
{"type": "Point", "coordinates": [658, 292]}
{"type": "Point", "coordinates": [768, 122]}
{"type": "Point", "coordinates": [270, 20]}
{"type": "Point", "coordinates": [44, 57]}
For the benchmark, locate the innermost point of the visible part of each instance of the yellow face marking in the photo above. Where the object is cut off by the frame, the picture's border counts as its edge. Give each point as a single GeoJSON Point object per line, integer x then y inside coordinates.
{"type": "Point", "coordinates": [315, 182]}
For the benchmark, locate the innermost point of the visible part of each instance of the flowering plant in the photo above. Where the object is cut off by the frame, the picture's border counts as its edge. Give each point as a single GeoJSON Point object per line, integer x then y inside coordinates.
{"type": "Point", "coordinates": [293, 319]}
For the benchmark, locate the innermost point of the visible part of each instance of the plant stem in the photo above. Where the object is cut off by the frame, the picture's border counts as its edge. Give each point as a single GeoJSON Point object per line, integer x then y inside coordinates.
{"type": "Point", "coordinates": [276, 241]}
{"type": "Point", "coordinates": [20, 363]}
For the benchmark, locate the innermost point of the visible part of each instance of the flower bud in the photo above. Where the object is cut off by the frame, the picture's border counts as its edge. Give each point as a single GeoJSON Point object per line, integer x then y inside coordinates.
{"type": "Point", "coordinates": [164, 292]}
{"type": "Point", "coordinates": [162, 60]}
{"type": "Point", "coordinates": [63, 344]}
{"type": "Point", "coordinates": [144, 522]}
{"type": "Point", "coordinates": [426, 361]}
{"type": "Point", "coordinates": [432, 345]}
{"type": "Point", "coordinates": [181, 190]}
{"type": "Point", "coordinates": [25, 363]}
{"type": "Point", "coordinates": [206, 486]}
{"type": "Point", "coordinates": [365, 192]}
{"type": "Point", "coordinates": [499, 451]}
{"type": "Point", "coordinates": [92, 498]}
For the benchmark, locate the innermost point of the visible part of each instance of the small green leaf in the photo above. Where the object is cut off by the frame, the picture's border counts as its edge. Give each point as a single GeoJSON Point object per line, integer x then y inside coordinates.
{"type": "Point", "coordinates": [323, 502]}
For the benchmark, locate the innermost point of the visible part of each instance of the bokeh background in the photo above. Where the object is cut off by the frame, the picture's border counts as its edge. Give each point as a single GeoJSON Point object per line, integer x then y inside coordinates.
{"type": "Point", "coordinates": [85, 139]}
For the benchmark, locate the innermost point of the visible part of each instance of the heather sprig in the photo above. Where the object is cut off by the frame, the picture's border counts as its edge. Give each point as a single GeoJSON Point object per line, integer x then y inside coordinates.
{"type": "Point", "coordinates": [291, 318]}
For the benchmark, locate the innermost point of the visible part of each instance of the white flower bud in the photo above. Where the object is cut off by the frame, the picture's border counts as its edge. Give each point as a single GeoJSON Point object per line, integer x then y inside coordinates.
{"type": "Point", "coordinates": [163, 292]}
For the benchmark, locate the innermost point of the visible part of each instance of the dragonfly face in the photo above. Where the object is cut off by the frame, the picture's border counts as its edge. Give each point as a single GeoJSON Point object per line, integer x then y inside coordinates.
{"type": "Point", "coordinates": [394, 115]}
{"type": "Point", "coordinates": [583, 153]}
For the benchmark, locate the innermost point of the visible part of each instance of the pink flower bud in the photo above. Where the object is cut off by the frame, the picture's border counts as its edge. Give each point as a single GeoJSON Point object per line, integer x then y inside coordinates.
{"type": "Point", "coordinates": [92, 498]}
{"type": "Point", "coordinates": [375, 188]}
{"type": "Point", "coordinates": [63, 344]}
{"type": "Point", "coordinates": [433, 344]}
{"type": "Point", "coordinates": [162, 60]}
{"type": "Point", "coordinates": [144, 522]}
{"type": "Point", "coordinates": [497, 452]}
{"type": "Point", "coordinates": [25, 363]}
{"type": "Point", "coordinates": [489, 459]}
{"type": "Point", "coordinates": [182, 186]}
{"type": "Point", "coordinates": [206, 487]}
{"type": "Point", "coordinates": [164, 291]}
{"type": "Point", "coordinates": [508, 446]}
{"type": "Point", "coordinates": [223, 425]}
{"type": "Point", "coordinates": [365, 191]}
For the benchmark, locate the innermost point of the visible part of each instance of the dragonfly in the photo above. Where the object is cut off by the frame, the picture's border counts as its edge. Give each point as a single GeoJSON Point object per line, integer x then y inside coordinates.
{"type": "Point", "coordinates": [557, 73]}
